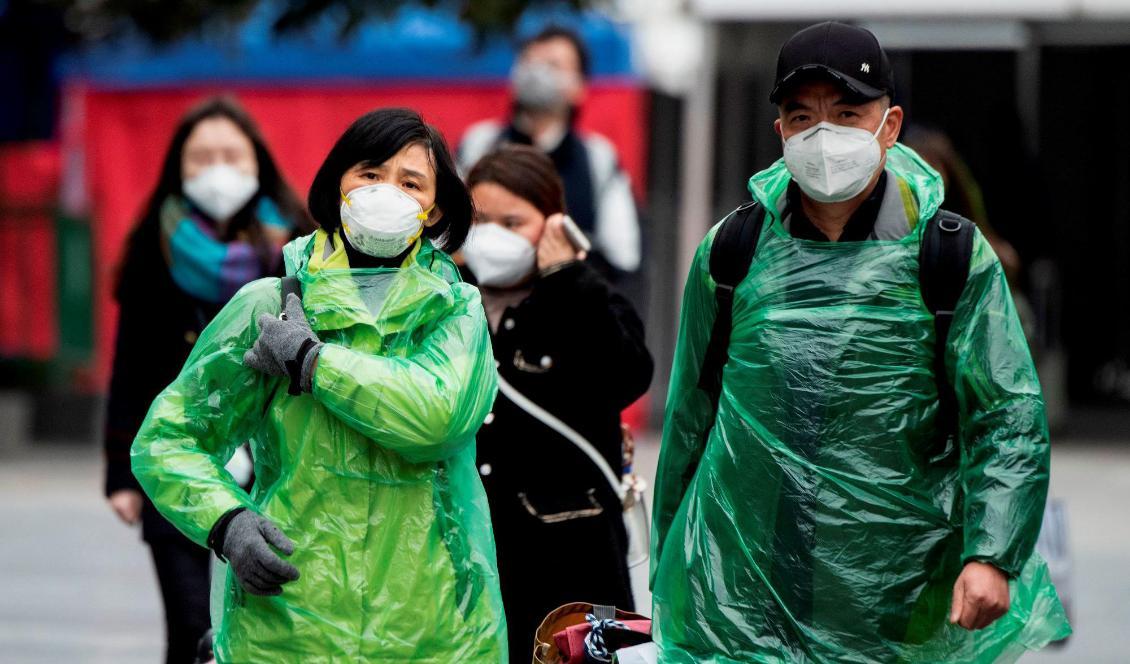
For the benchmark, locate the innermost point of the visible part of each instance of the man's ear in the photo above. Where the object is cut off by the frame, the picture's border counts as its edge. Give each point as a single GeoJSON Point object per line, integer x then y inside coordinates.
{"type": "Point", "coordinates": [777, 127]}
{"type": "Point", "coordinates": [892, 127]}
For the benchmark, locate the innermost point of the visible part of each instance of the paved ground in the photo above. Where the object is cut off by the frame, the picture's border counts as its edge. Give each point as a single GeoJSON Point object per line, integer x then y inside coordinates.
{"type": "Point", "coordinates": [77, 587]}
{"type": "Point", "coordinates": [75, 584]}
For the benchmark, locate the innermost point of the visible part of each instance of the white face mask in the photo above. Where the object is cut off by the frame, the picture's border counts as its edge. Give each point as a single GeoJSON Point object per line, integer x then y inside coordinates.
{"type": "Point", "coordinates": [381, 220]}
{"type": "Point", "coordinates": [832, 163]}
{"type": "Point", "coordinates": [221, 190]}
{"type": "Point", "coordinates": [499, 257]}
{"type": "Point", "coordinates": [539, 87]}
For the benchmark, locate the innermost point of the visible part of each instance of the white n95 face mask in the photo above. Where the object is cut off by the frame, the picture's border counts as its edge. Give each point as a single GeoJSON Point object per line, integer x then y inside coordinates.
{"type": "Point", "coordinates": [500, 258]}
{"type": "Point", "coordinates": [832, 163]}
{"type": "Point", "coordinates": [538, 86]}
{"type": "Point", "coordinates": [381, 220]}
{"type": "Point", "coordinates": [221, 190]}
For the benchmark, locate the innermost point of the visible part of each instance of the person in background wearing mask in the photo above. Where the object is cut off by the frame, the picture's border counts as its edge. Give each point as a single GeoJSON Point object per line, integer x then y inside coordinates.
{"type": "Point", "coordinates": [218, 218]}
{"type": "Point", "coordinates": [820, 511]}
{"type": "Point", "coordinates": [366, 536]}
{"type": "Point", "coordinates": [566, 342]}
{"type": "Point", "coordinates": [548, 87]}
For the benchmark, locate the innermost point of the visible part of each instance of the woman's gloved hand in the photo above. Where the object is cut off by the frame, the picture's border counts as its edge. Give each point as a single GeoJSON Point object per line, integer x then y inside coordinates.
{"type": "Point", "coordinates": [286, 347]}
{"type": "Point", "coordinates": [247, 544]}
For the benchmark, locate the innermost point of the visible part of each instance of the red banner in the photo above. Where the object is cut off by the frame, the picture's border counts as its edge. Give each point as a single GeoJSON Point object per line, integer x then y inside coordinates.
{"type": "Point", "coordinates": [29, 182]}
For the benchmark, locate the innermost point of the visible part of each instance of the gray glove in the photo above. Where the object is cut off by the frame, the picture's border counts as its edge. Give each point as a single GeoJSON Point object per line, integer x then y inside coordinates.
{"type": "Point", "coordinates": [286, 346]}
{"type": "Point", "coordinates": [247, 547]}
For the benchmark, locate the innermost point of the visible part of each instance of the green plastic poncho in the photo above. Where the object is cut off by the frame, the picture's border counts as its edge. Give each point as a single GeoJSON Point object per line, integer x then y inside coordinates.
{"type": "Point", "coordinates": [817, 517]}
{"type": "Point", "coordinates": [372, 475]}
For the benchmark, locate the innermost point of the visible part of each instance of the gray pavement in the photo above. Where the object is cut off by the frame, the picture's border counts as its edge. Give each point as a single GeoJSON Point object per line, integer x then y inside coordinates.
{"type": "Point", "coordinates": [1094, 481]}
{"type": "Point", "coordinates": [78, 586]}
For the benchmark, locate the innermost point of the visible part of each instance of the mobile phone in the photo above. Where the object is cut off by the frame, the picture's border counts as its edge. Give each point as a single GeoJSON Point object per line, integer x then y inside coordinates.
{"type": "Point", "coordinates": [576, 235]}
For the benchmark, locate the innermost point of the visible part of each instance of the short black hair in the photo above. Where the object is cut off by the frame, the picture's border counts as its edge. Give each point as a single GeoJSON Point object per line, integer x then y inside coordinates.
{"type": "Point", "coordinates": [552, 32]}
{"type": "Point", "coordinates": [377, 136]}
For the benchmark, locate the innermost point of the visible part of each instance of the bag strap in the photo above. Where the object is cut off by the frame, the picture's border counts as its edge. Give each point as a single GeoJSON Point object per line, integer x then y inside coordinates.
{"type": "Point", "coordinates": [548, 419]}
{"type": "Point", "coordinates": [731, 254]}
{"type": "Point", "coordinates": [288, 285]}
{"type": "Point", "coordinates": [943, 270]}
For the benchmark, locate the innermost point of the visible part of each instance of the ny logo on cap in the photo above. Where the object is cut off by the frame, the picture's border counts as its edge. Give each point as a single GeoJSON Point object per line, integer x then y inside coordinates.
{"type": "Point", "coordinates": [865, 68]}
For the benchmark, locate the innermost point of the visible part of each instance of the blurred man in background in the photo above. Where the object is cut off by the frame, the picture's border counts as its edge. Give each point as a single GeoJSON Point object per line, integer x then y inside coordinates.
{"type": "Point", "coordinates": [548, 83]}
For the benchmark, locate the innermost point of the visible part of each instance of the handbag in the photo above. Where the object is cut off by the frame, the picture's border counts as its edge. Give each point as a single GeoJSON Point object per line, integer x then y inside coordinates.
{"type": "Point", "coordinates": [556, 639]}
{"type": "Point", "coordinates": [628, 487]}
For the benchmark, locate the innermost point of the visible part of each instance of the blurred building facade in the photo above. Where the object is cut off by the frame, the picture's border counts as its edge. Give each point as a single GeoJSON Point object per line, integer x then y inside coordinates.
{"type": "Point", "coordinates": [1016, 86]}
{"type": "Point", "coordinates": [1031, 92]}
{"type": "Point", "coordinates": [115, 105]}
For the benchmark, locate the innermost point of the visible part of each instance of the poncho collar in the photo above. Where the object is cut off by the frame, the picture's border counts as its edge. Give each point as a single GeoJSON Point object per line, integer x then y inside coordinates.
{"type": "Point", "coordinates": [913, 175]}
{"type": "Point", "coordinates": [337, 297]}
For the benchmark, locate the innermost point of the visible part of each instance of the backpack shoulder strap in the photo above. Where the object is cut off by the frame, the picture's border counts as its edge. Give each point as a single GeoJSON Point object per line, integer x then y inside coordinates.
{"type": "Point", "coordinates": [731, 254]}
{"type": "Point", "coordinates": [288, 285]}
{"type": "Point", "coordinates": [943, 260]}
{"type": "Point", "coordinates": [943, 269]}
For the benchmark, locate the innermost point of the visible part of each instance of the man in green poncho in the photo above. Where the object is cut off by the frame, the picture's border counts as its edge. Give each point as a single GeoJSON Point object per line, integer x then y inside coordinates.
{"type": "Point", "coordinates": [820, 511]}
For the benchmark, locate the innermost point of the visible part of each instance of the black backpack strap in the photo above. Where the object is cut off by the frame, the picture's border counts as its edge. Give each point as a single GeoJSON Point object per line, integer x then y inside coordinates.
{"type": "Point", "coordinates": [731, 254]}
{"type": "Point", "coordinates": [943, 269]}
{"type": "Point", "coordinates": [288, 285]}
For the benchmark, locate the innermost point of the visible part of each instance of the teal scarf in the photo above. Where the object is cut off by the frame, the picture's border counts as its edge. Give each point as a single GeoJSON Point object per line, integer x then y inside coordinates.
{"type": "Point", "coordinates": [206, 267]}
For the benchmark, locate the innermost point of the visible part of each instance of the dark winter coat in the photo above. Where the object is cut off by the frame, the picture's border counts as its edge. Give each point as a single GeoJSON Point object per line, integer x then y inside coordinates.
{"type": "Point", "coordinates": [157, 326]}
{"type": "Point", "coordinates": [577, 350]}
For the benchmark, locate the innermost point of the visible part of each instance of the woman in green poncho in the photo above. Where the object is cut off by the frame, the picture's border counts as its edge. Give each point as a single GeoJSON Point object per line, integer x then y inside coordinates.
{"type": "Point", "coordinates": [366, 536]}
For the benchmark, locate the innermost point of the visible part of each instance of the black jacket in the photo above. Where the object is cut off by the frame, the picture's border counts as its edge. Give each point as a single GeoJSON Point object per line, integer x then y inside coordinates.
{"type": "Point", "coordinates": [158, 323]}
{"type": "Point", "coordinates": [577, 350]}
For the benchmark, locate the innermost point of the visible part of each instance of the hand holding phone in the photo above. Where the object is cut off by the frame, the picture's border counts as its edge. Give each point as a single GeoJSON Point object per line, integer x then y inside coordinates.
{"type": "Point", "coordinates": [561, 242]}
{"type": "Point", "coordinates": [576, 235]}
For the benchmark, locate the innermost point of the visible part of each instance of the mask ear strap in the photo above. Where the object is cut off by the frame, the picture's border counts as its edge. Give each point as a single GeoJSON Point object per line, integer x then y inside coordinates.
{"type": "Point", "coordinates": [416, 236]}
{"type": "Point", "coordinates": [882, 123]}
{"type": "Point", "coordinates": [423, 216]}
{"type": "Point", "coordinates": [344, 198]}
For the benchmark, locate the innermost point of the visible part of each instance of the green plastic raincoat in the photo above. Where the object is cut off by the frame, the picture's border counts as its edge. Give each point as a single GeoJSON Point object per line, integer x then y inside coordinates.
{"type": "Point", "coordinates": [372, 475]}
{"type": "Point", "coordinates": [817, 517]}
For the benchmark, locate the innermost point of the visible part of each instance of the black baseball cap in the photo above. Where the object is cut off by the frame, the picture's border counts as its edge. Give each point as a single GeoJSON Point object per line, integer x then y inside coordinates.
{"type": "Point", "coordinates": [848, 54]}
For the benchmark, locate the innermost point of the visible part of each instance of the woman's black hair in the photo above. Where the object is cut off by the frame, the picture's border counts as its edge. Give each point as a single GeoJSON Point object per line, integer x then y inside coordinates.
{"type": "Point", "coordinates": [374, 138]}
{"type": "Point", "coordinates": [142, 242]}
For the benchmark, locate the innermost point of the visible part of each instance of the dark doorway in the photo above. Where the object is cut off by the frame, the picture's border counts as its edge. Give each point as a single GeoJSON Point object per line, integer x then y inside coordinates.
{"type": "Point", "coordinates": [1085, 143]}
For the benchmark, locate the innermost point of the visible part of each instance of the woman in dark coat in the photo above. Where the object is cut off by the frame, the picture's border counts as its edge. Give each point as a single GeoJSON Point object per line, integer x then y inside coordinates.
{"type": "Point", "coordinates": [217, 219]}
{"type": "Point", "coordinates": [575, 348]}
